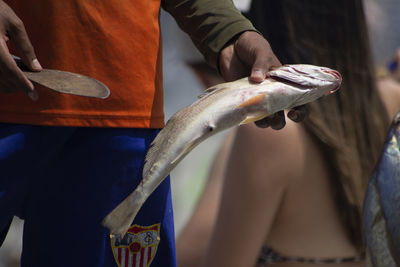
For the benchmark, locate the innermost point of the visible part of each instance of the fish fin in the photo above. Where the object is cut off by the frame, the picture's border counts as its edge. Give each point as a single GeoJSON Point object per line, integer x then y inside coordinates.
{"type": "Point", "coordinates": [253, 101]}
{"type": "Point", "coordinates": [203, 95]}
{"type": "Point", "coordinates": [120, 218]}
{"type": "Point", "coordinates": [213, 89]}
{"type": "Point", "coordinates": [153, 149]}
{"type": "Point", "coordinates": [186, 150]}
{"type": "Point", "coordinates": [253, 118]}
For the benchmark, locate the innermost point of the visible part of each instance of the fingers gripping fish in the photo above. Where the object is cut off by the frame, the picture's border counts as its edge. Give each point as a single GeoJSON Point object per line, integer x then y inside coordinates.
{"type": "Point", "coordinates": [221, 107]}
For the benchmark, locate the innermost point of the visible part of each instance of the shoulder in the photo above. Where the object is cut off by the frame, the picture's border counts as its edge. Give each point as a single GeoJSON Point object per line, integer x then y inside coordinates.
{"type": "Point", "coordinates": [264, 141]}
{"type": "Point", "coordinates": [276, 156]}
{"type": "Point", "coordinates": [389, 90]}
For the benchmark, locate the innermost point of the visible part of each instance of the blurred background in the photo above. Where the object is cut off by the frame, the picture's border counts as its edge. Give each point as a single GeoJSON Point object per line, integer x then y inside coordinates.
{"type": "Point", "coordinates": [186, 77]}
{"type": "Point", "coordinates": [189, 178]}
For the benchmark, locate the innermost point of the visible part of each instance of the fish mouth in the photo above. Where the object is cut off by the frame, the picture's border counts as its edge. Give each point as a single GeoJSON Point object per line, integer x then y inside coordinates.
{"type": "Point", "coordinates": [333, 90]}
{"type": "Point", "coordinates": [338, 76]}
{"type": "Point", "coordinates": [334, 73]}
{"type": "Point", "coordinates": [289, 82]}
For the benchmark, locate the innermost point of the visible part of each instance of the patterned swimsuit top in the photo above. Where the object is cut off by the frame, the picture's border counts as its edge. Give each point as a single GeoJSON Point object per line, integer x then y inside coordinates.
{"type": "Point", "coordinates": [270, 256]}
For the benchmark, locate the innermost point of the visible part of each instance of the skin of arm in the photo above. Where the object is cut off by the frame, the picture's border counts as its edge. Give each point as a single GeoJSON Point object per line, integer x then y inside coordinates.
{"type": "Point", "coordinates": [253, 190]}
{"type": "Point", "coordinates": [390, 93]}
{"type": "Point", "coordinates": [396, 63]}
{"type": "Point", "coordinates": [389, 87]}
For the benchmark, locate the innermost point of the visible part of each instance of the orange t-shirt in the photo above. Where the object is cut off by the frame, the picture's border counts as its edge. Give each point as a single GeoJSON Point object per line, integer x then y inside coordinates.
{"type": "Point", "coordinates": [116, 42]}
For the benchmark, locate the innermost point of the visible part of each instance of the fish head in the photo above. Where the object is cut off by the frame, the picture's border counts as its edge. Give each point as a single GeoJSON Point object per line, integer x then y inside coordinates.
{"type": "Point", "coordinates": [322, 80]}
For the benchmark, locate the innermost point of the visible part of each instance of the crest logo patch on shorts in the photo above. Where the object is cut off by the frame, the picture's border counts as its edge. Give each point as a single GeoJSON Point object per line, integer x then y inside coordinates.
{"type": "Point", "coordinates": [138, 247]}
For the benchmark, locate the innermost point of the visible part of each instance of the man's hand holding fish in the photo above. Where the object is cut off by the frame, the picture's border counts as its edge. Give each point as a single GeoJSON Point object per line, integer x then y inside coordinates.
{"type": "Point", "coordinates": [251, 54]}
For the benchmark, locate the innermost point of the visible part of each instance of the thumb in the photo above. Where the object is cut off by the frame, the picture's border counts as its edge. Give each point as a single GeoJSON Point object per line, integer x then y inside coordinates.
{"type": "Point", "coordinates": [263, 63]}
{"type": "Point", "coordinates": [19, 37]}
{"type": "Point", "coordinates": [258, 74]}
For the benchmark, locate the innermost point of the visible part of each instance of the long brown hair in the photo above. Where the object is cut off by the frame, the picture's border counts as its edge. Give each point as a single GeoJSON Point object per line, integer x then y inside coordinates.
{"type": "Point", "coordinates": [350, 125]}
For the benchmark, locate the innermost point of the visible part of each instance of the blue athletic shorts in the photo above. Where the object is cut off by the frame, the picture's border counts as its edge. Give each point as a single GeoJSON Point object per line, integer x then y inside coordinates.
{"type": "Point", "coordinates": [64, 180]}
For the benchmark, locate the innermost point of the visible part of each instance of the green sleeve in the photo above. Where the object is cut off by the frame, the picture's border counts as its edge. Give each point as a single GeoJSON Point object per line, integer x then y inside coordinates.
{"type": "Point", "coordinates": [209, 23]}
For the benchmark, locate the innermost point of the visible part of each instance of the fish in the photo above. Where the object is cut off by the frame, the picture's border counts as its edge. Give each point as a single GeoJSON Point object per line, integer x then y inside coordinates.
{"type": "Point", "coordinates": [381, 208]}
{"type": "Point", "coordinates": [221, 107]}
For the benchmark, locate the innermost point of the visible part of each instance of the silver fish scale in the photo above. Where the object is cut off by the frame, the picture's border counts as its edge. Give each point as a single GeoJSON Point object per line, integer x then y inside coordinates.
{"type": "Point", "coordinates": [222, 107]}
{"type": "Point", "coordinates": [381, 214]}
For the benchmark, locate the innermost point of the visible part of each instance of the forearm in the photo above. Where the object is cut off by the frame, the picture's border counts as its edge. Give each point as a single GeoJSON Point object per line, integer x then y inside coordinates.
{"type": "Point", "coordinates": [192, 244]}
{"type": "Point", "coordinates": [210, 23]}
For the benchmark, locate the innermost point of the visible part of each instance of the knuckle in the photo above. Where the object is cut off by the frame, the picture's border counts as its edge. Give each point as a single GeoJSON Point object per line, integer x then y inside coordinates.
{"type": "Point", "coordinates": [27, 49]}
{"type": "Point", "coordinates": [278, 125]}
{"type": "Point", "coordinates": [263, 123]}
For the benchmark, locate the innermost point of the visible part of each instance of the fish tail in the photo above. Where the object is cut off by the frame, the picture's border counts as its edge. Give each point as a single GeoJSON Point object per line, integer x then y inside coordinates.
{"type": "Point", "coordinates": [120, 218]}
